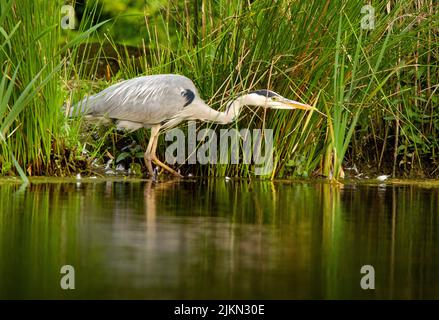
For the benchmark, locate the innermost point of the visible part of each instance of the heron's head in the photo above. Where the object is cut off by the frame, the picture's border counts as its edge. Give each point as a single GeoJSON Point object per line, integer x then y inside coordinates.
{"type": "Point", "coordinates": [273, 100]}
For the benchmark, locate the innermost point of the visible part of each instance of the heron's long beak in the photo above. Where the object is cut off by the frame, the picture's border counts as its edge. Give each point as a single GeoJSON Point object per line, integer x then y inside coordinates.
{"type": "Point", "coordinates": [291, 104]}
{"type": "Point", "coordinates": [298, 105]}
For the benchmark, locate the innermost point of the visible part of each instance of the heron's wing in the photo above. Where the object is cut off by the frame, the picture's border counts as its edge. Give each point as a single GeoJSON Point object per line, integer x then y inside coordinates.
{"type": "Point", "coordinates": [148, 100]}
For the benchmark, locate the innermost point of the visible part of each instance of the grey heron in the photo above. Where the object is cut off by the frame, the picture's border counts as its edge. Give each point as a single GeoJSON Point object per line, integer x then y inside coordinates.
{"type": "Point", "coordinates": [163, 101]}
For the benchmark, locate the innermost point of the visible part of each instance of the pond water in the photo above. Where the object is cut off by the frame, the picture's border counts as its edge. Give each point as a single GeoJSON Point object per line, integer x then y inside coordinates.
{"type": "Point", "coordinates": [218, 239]}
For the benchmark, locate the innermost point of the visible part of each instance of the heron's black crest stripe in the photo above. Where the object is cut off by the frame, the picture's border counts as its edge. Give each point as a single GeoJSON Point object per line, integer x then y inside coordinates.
{"type": "Point", "coordinates": [189, 95]}
{"type": "Point", "coordinates": [265, 93]}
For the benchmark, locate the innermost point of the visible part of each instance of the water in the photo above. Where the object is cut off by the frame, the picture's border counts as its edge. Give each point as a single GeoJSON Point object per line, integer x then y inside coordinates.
{"type": "Point", "coordinates": [209, 239]}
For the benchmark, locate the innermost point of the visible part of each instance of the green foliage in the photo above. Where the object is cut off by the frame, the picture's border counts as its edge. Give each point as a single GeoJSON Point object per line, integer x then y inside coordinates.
{"type": "Point", "coordinates": [134, 152]}
{"type": "Point", "coordinates": [128, 24]}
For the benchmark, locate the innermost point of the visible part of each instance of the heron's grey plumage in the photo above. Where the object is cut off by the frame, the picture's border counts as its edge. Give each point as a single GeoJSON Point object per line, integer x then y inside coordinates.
{"type": "Point", "coordinates": [147, 100]}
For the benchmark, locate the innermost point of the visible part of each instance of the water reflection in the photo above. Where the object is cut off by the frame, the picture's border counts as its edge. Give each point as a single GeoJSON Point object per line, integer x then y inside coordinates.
{"type": "Point", "coordinates": [218, 239]}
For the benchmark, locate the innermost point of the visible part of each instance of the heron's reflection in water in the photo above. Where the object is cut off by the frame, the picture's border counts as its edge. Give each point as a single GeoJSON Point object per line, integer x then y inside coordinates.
{"type": "Point", "coordinates": [152, 190]}
{"type": "Point", "coordinates": [140, 238]}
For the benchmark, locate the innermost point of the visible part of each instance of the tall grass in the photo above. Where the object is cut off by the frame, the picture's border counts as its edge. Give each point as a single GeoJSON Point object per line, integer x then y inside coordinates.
{"type": "Point", "coordinates": [31, 57]}
{"type": "Point", "coordinates": [377, 87]}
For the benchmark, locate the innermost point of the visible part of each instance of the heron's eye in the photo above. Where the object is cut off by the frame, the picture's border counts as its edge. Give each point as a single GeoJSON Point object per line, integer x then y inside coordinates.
{"type": "Point", "coordinates": [274, 98]}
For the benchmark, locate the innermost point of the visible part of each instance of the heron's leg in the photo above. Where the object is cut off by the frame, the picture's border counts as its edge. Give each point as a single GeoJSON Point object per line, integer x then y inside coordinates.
{"type": "Point", "coordinates": [148, 153]}
{"type": "Point", "coordinates": [164, 166]}
{"type": "Point", "coordinates": [158, 162]}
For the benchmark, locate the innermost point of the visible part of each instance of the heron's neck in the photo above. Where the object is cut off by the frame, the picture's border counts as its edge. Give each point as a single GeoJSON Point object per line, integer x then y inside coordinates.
{"type": "Point", "coordinates": [232, 112]}
{"type": "Point", "coordinates": [201, 111]}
